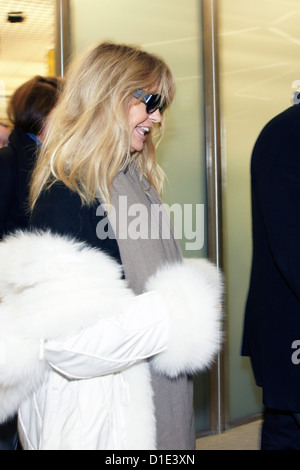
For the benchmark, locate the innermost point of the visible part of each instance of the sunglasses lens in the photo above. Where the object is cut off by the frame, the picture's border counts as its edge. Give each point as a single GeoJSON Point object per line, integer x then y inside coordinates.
{"type": "Point", "coordinates": [154, 104]}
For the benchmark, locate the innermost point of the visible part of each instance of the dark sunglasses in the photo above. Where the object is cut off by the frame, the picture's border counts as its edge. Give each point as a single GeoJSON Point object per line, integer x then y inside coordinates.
{"type": "Point", "coordinates": [152, 102]}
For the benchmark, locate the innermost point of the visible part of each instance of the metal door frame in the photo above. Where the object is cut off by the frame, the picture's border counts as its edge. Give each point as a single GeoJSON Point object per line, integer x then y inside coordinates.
{"type": "Point", "coordinates": [218, 405]}
{"type": "Point", "coordinates": [62, 33]}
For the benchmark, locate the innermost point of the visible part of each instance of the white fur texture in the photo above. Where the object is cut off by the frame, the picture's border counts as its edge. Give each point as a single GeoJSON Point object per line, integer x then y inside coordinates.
{"type": "Point", "coordinates": [51, 285]}
{"type": "Point", "coordinates": [193, 294]}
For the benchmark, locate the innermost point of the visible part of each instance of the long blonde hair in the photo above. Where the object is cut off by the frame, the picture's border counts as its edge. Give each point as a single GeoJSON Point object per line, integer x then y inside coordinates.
{"type": "Point", "coordinates": [88, 140]}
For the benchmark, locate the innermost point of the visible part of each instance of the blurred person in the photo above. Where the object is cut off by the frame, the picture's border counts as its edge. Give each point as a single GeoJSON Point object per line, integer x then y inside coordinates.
{"type": "Point", "coordinates": [272, 316]}
{"type": "Point", "coordinates": [4, 134]}
{"type": "Point", "coordinates": [118, 324]}
{"type": "Point", "coordinates": [28, 110]}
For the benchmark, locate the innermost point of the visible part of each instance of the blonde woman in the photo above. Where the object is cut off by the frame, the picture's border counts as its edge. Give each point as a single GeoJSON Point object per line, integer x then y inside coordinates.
{"type": "Point", "coordinates": [106, 294]}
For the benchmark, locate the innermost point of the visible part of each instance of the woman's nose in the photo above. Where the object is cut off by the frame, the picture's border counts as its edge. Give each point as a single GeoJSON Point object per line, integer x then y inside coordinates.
{"type": "Point", "coordinates": [156, 116]}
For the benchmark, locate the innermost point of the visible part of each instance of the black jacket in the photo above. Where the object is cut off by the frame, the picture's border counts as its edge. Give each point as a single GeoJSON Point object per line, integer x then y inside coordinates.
{"type": "Point", "coordinates": [272, 317]}
{"type": "Point", "coordinates": [16, 164]}
{"type": "Point", "coordinates": [60, 210]}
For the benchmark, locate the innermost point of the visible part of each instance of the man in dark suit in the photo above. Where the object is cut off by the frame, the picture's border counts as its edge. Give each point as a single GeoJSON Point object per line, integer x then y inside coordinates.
{"type": "Point", "coordinates": [272, 317]}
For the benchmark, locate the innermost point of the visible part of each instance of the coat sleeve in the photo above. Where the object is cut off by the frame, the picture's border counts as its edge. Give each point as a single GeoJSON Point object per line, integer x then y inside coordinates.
{"type": "Point", "coordinates": [177, 324]}
{"type": "Point", "coordinates": [114, 343]}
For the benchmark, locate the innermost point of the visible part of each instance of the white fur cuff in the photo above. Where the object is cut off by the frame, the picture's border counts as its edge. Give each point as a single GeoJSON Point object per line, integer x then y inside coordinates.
{"type": "Point", "coordinates": [193, 294]}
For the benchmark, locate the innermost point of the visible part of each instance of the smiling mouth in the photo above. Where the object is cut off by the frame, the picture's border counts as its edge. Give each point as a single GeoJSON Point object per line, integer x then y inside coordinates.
{"type": "Point", "coordinates": [143, 130]}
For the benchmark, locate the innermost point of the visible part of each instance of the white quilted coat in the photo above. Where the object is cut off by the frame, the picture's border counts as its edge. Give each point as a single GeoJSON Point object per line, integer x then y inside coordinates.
{"type": "Point", "coordinates": [75, 341]}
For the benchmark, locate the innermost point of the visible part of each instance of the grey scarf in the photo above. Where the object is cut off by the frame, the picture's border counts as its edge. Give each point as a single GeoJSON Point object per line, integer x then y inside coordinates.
{"type": "Point", "coordinates": [141, 257]}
